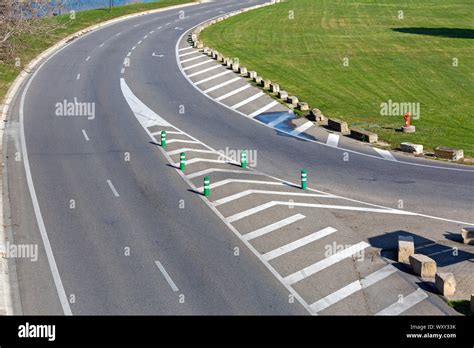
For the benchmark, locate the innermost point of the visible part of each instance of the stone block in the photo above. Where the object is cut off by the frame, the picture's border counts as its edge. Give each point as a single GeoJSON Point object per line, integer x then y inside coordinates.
{"type": "Point", "coordinates": [423, 265]}
{"type": "Point", "coordinates": [417, 149]}
{"type": "Point", "coordinates": [293, 100]}
{"type": "Point", "coordinates": [406, 248]}
{"type": "Point", "coordinates": [467, 234]}
{"type": "Point", "coordinates": [274, 87]}
{"type": "Point", "coordinates": [266, 84]}
{"type": "Point", "coordinates": [445, 283]}
{"type": "Point", "coordinates": [449, 153]}
{"type": "Point", "coordinates": [258, 80]}
{"type": "Point", "coordinates": [363, 135]}
{"type": "Point", "coordinates": [302, 106]}
{"type": "Point", "coordinates": [283, 95]}
{"type": "Point", "coordinates": [338, 125]}
{"type": "Point", "coordinates": [252, 74]}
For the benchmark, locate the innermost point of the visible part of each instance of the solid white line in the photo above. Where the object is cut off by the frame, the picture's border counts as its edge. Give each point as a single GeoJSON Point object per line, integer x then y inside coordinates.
{"type": "Point", "coordinates": [188, 54]}
{"type": "Point", "coordinates": [212, 170]}
{"type": "Point", "coordinates": [221, 85]}
{"type": "Point", "coordinates": [262, 110]}
{"type": "Point", "coordinates": [238, 90]}
{"type": "Point", "coordinates": [175, 152]}
{"type": "Point", "coordinates": [275, 226]}
{"type": "Point", "coordinates": [353, 288]}
{"type": "Point", "coordinates": [280, 119]}
{"type": "Point", "coordinates": [408, 301]}
{"type": "Point", "coordinates": [243, 181]}
{"type": "Point", "coordinates": [204, 160]}
{"type": "Point", "coordinates": [385, 154]}
{"type": "Point", "coordinates": [305, 126]}
{"type": "Point", "coordinates": [167, 132]}
{"type": "Point", "coordinates": [246, 101]}
{"type": "Point", "coordinates": [203, 71]}
{"type": "Point", "coordinates": [198, 64]}
{"type": "Point", "coordinates": [193, 58]}
{"type": "Point", "coordinates": [281, 193]}
{"type": "Point", "coordinates": [114, 191]}
{"type": "Point", "coordinates": [213, 77]}
{"type": "Point", "coordinates": [34, 199]}
{"type": "Point", "coordinates": [85, 135]}
{"type": "Point", "coordinates": [78, 76]}
{"type": "Point", "coordinates": [325, 263]}
{"type": "Point", "coordinates": [182, 141]}
{"type": "Point", "coordinates": [298, 243]}
{"type": "Point", "coordinates": [332, 140]}
{"type": "Point", "coordinates": [185, 49]}
{"type": "Point", "coordinates": [167, 276]}
{"type": "Point", "coordinates": [87, 59]}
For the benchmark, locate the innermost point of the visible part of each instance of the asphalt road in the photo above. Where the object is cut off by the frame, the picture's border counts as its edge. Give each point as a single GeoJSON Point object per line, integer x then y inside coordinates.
{"type": "Point", "coordinates": [135, 239]}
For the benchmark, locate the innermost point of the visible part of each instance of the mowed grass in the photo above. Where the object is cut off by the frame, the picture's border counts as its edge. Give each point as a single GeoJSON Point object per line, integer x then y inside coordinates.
{"type": "Point", "coordinates": [47, 31]}
{"type": "Point", "coordinates": [403, 60]}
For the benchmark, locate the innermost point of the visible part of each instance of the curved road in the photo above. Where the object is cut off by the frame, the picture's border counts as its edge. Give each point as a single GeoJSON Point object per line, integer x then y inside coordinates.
{"type": "Point", "coordinates": [127, 234]}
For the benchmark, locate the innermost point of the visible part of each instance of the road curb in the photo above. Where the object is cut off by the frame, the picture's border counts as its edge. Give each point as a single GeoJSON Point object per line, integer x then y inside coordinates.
{"type": "Point", "coordinates": [10, 300]}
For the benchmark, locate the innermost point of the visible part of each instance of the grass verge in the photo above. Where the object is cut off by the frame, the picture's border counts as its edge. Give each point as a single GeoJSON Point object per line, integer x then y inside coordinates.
{"type": "Point", "coordinates": [462, 306]}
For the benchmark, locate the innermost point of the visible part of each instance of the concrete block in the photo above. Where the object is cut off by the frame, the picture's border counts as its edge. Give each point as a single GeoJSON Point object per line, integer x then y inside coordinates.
{"type": "Point", "coordinates": [445, 283]}
{"type": "Point", "coordinates": [293, 100]}
{"type": "Point", "coordinates": [252, 74]}
{"type": "Point", "coordinates": [409, 129]}
{"type": "Point", "coordinates": [274, 87]}
{"type": "Point", "coordinates": [316, 115]}
{"type": "Point", "coordinates": [283, 95]}
{"type": "Point", "coordinates": [258, 80]}
{"type": "Point", "coordinates": [423, 265]}
{"type": "Point", "coordinates": [467, 234]}
{"type": "Point", "coordinates": [417, 149]}
{"type": "Point", "coordinates": [363, 135]}
{"type": "Point", "coordinates": [235, 67]}
{"type": "Point", "coordinates": [220, 58]}
{"type": "Point", "coordinates": [338, 125]}
{"type": "Point", "coordinates": [243, 71]}
{"type": "Point", "coordinates": [449, 153]}
{"type": "Point", "coordinates": [266, 84]}
{"type": "Point", "coordinates": [228, 63]}
{"type": "Point", "coordinates": [406, 248]}
{"type": "Point", "coordinates": [302, 106]}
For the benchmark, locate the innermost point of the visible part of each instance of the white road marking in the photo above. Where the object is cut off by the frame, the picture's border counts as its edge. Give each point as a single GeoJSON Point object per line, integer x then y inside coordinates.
{"type": "Point", "coordinates": [157, 55]}
{"type": "Point", "coordinates": [385, 154]}
{"type": "Point", "coordinates": [167, 276]}
{"type": "Point", "coordinates": [129, 54]}
{"type": "Point", "coordinates": [198, 64]}
{"type": "Point", "coordinates": [151, 32]}
{"type": "Point", "coordinates": [189, 54]}
{"type": "Point", "coordinates": [88, 58]}
{"type": "Point", "coordinates": [213, 77]}
{"type": "Point", "coordinates": [275, 226]}
{"type": "Point", "coordinates": [133, 48]}
{"type": "Point", "coordinates": [122, 71]}
{"type": "Point", "coordinates": [167, 132]}
{"type": "Point", "coordinates": [185, 48]}
{"type": "Point", "coordinates": [212, 170]}
{"type": "Point", "coordinates": [145, 37]}
{"type": "Point", "coordinates": [112, 187]}
{"type": "Point", "coordinates": [332, 140]}
{"type": "Point", "coordinates": [280, 119]}
{"type": "Point", "coordinates": [352, 288]}
{"type": "Point", "coordinates": [298, 243]}
{"type": "Point", "coordinates": [305, 126]}
{"type": "Point", "coordinates": [235, 91]}
{"type": "Point", "coordinates": [85, 135]}
{"type": "Point", "coordinates": [204, 160]}
{"type": "Point", "coordinates": [118, 34]}
{"type": "Point", "coordinates": [139, 42]}
{"type": "Point", "coordinates": [409, 301]}
{"type": "Point", "coordinates": [281, 193]}
{"type": "Point", "coordinates": [136, 25]}
{"type": "Point", "coordinates": [243, 181]}
{"type": "Point", "coordinates": [267, 205]}
{"type": "Point", "coordinates": [228, 82]}
{"type": "Point", "coordinates": [186, 149]}
{"type": "Point", "coordinates": [194, 58]}
{"type": "Point", "coordinates": [246, 101]}
{"type": "Point", "coordinates": [182, 141]}
{"type": "Point", "coordinates": [159, 28]}
{"type": "Point", "coordinates": [102, 45]}
{"type": "Point", "coordinates": [78, 76]}
{"type": "Point", "coordinates": [325, 263]}
{"type": "Point", "coordinates": [167, 23]}
{"type": "Point", "coordinates": [205, 70]}
{"type": "Point", "coordinates": [263, 109]}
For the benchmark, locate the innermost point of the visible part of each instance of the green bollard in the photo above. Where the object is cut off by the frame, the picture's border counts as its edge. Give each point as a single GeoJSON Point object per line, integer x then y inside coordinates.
{"type": "Point", "coordinates": [207, 186]}
{"type": "Point", "coordinates": [163, 139]}
{"type": "Point", "coordinates": [243, 159]}
{"type": "Point", "coordinates": [182, 161]}
{"type": "Point", "coordinates": [304, 177]}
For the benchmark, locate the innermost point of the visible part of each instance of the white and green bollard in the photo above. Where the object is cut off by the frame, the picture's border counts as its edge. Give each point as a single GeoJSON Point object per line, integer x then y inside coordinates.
{"type": "Point", "coordinates": [163, 139]}
{"type": "Point", "coordinates": [207, 186]}
{"type": "Point", "coordinates": [243, 159]}
{"type": "Point", "coordinates": [304, 178]}
{"type": "Point", "coordinates": [182, 161]}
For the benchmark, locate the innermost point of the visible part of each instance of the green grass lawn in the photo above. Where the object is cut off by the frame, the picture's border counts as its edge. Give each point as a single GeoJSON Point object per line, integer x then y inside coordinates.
{"type": "Point", "coordinates": [29, 46]}
{"type": "Point", "coordinates": [407, 60]}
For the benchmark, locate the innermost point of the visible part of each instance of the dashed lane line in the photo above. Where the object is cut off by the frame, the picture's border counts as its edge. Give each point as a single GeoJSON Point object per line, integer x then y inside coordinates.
{"type": "Point", "coordinates": [272, 227]}
{"type": "Point", "coordinates": [228, 82]}
{"type": "Point", "coordinates": [113, 189]}
{"type": "Point", "coordinates": [325, 263]}
{"type": "Point", "coordinates": [88, 58]}
{"type": "Point", "coordinates": [298, 243]}
{"type": "Point", "coordinates": [352, 288]}
{"type": "Point", "coordinates": [85, 135]}
{"type": "Point", "coordinates": [167, 276]}
{"type": "Point", "coordinates": [78, 76]}
{"type": "Point", "coordinates": [409, 301]}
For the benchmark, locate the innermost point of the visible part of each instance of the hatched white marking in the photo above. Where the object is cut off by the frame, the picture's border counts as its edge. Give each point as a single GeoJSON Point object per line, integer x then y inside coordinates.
{"type": "Point", "coordinates": [275, 226]}
{"type": "Point", "coordinates": [205, 70]}
{"type": "Point", "coordinates": [333, 140]}
{"type": "Point", "coordinates": [198, 64]}
{"type": "Point", "coordinates": [246, 101]}
{"type": "Point", "coordinates": [262, 110]}
{"type": "Point", "coordinates": [385, 154]}
{"type": "Point", "coordinates": [305, 126]}
{"type": "Point", "coordinates": [213, 77]}
{"type": "Point", "coordinates": [409, 301]}
{"type": "Point", "coordinates": [238, 90]}
{"type": "Point", "coordinates": [221, 85]}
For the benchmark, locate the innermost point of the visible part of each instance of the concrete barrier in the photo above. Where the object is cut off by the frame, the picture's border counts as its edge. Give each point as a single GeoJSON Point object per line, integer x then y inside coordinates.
{"type": "Point", "coordinates": [423, 265]}
{"type": "Point", "coordinates": [416, 149]}
{"type": "Point", "coordinates": [316, 115]}
{"type": "Point", "coordinates": [228, 63]}
{"type": "Point", "coordinates": [467, 234]}
{"type": "Point", "coordinates": [445, 283]}
{"type": "Point", "coordinates": [363, 135]}
{"type": "Point", "coordinates": [338, 125]}
{"type": "Point", "coordinates": [266, 84]}
{"type": "Point", "coordinates": [283, 95]}
{"type": "Point", "coordinates": [243, 71]}
{"type": "Point", "coordinates": [235, 67]}
{"type": "Point", "coordinates": [274, 87]}
{"type": "Point", "coordinates": [252, 74]}
{"type": "Point", "coordinates": [449, 153]}
{"type": "Point", "coordinates": [302, 106]}
{"type": "Point", "coordinates": [258, 80]}
{"type": "Point", "coordinates": [293, 100]}
{"type": "Point", "coordinates": [406, 248]}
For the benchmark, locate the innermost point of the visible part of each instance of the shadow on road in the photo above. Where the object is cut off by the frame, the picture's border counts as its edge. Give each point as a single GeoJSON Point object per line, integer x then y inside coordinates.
{"type": "Point", "coordinates": [456, 33]}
